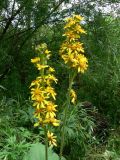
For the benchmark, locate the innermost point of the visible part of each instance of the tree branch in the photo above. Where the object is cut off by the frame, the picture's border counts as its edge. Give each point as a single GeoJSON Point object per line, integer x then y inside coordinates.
{"type": "Point", "coordinates": [41, 23]}
{"type": "Point", "coordinates": [10, 21]}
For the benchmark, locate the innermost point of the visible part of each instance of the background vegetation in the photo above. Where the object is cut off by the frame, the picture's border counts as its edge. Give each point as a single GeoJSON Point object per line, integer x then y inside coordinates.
{"type": "Point", "coordinates": [93, 125]}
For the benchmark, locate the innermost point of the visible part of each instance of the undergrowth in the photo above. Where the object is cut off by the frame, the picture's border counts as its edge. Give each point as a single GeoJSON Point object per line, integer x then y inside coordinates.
{"type": "Point", "coordinates": [17, 135]}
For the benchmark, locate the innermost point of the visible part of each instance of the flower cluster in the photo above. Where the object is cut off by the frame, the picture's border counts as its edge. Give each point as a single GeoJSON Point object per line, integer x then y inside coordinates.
{"type": "Point", "coordinates": [73, 96]}
{"type": "Point", "coordinates": [72, 51]}
{"type": "Point", "coordinates": [43, 94]}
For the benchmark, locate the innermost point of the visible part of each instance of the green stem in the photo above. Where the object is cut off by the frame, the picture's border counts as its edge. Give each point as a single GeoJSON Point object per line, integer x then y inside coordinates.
{"type": "Point", "coordinates": [71, 78]}
{"type": "Point", "coordinates": [46, 144]}
{"type": "Point", "coordinates": [62, 136]}
{"type": "Point", "coordinates": [42, 63]}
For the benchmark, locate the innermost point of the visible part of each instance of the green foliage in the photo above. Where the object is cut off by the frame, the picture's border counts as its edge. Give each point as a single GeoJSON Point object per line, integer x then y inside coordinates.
{"type": "Point", "coordinates": [15, 139]}
{"type": "Point", "coordinates": [32, 23]}
{"type": "Point", "coordinates": [17, 30]}
{"type": "Point", "coordinates": [78, 132]}
{"type": "Point", "coordinates": [100, 84]}
{"type": "Point", "coordinates": [110, 151]}
{"type": "Point", "coordinates": [37, 151]}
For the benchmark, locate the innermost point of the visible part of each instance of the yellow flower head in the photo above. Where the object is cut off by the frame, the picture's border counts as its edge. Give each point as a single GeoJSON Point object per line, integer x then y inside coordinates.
{"type": "Point", "coordinates": [78, 17]}
{"type": "Point", "coordinates": [50, 110]}
{"type": "Point", "coordinates": [52, 121]}
{"type": "Point", "coordinates": [73, 96]}
{"type": "Point", "coordinates": [72, 50]}
{"type": "Point", "coordinates": [40, 122]}
{"type": "Point", "coordinates": [35, 60]}
{"type": "Point", "coordinates": [50, 91]}
{"type": "Point", "coordinates": [42, 93]}
{"type": "Point", "coordinates": [47, 52]}
{"type": "Point", "coordinates": [82, 63]}
{"type": "Point", "coordinates": [38, 112]}
{"type": "Point", "coordinates": [39, 101]}
{"type": "Point", "coordinates": [36, 91]}
{"type": "Point", "coordinates": [51, 139]}
{"type": "Point", "coordinates": [51, 69]}
{"type": "Point", "coordinates": [71, 22]}
{"type": "Point", "coordinates": [50, 78]}
{"type": "Point", "coordinates": [40, 66]}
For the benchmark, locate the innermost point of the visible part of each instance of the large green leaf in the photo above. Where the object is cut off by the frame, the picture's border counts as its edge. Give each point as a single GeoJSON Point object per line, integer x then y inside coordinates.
{"type": "Point", "coordinates": [37, 152]}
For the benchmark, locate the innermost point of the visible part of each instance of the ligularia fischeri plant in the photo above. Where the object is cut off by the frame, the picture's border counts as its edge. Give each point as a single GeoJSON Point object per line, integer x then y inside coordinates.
{"type": "Point", "coordinates": [72, 52]}
{"type": "Point", "coordinates": [43, 94]}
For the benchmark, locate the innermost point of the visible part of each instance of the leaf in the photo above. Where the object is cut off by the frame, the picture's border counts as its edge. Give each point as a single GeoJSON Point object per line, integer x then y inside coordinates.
{"type": "Point", "coordinates": [37, 152]}
{"type": "Point", "coordinates": [3, 87]}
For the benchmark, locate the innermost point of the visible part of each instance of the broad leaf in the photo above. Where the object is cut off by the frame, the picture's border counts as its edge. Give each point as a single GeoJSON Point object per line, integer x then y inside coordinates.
{"type": "Point", "coordinates": [37, 152]}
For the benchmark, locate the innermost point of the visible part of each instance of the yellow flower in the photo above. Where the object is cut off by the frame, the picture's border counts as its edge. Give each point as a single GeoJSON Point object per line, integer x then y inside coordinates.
{"type": "Point", "coordinates": [77, 46]}
{"type": "Point", "coordinates": [35, 83]}
{"type": "Point", "coordinates": [47, 52]}
{"type": "Point", "coordinates": [78, 17]}
{"type": "Point", "coordinates": [38, 112]}
{"type": "Point", "coordinates": [73, 96]}
{"type": "Point", "coordinates": [36, 91]}
{"type": "Point", "coordinates": [65, 58]}
{"type": "Point", "coordinates": [39, 101]}
{"type": "Point", "coordinates": [51, 139]}
{"type": "Point", "coordinates": [71, 35]}
{"type": "Point", "coordinates": [50, 91]}
{"type": "Point", "coordinates": [79, 29]}
{"type": "Point", "coordinates": [40, 122]}
{"type": "Point", "coordinates": [52, 121]}
{"type": "Point", "coordinates": [68, 58]}
{"type": "Point", "coordinates": [69, 19]}
{"type": "Point", "coordinates": [35, 60]}
{"type": "Point", "coordinates": [82, 64]}
{"type": "Point", "coordinates": [49, 78]}
{"type": "Point", "coordinates": [76, 60]}
{"type": "Point", "coordinates": [51, 69]}
{"type": "Point", "coordinates": [40, 66]}
{"type": "Point", "coordinates": [72, 48]}
{"type": "Point", "coordinates": [50, 110]}
{"type": "Point", "coordinates": [70, 23]}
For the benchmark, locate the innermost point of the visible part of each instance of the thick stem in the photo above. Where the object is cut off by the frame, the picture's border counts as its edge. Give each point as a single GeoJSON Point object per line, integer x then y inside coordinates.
{"type": "Point", "coordinates": [71, 78]}
{"type": "Point", "coordinates": [63, 135]}
{"type": "Point", "coordinates": [46, 144]}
